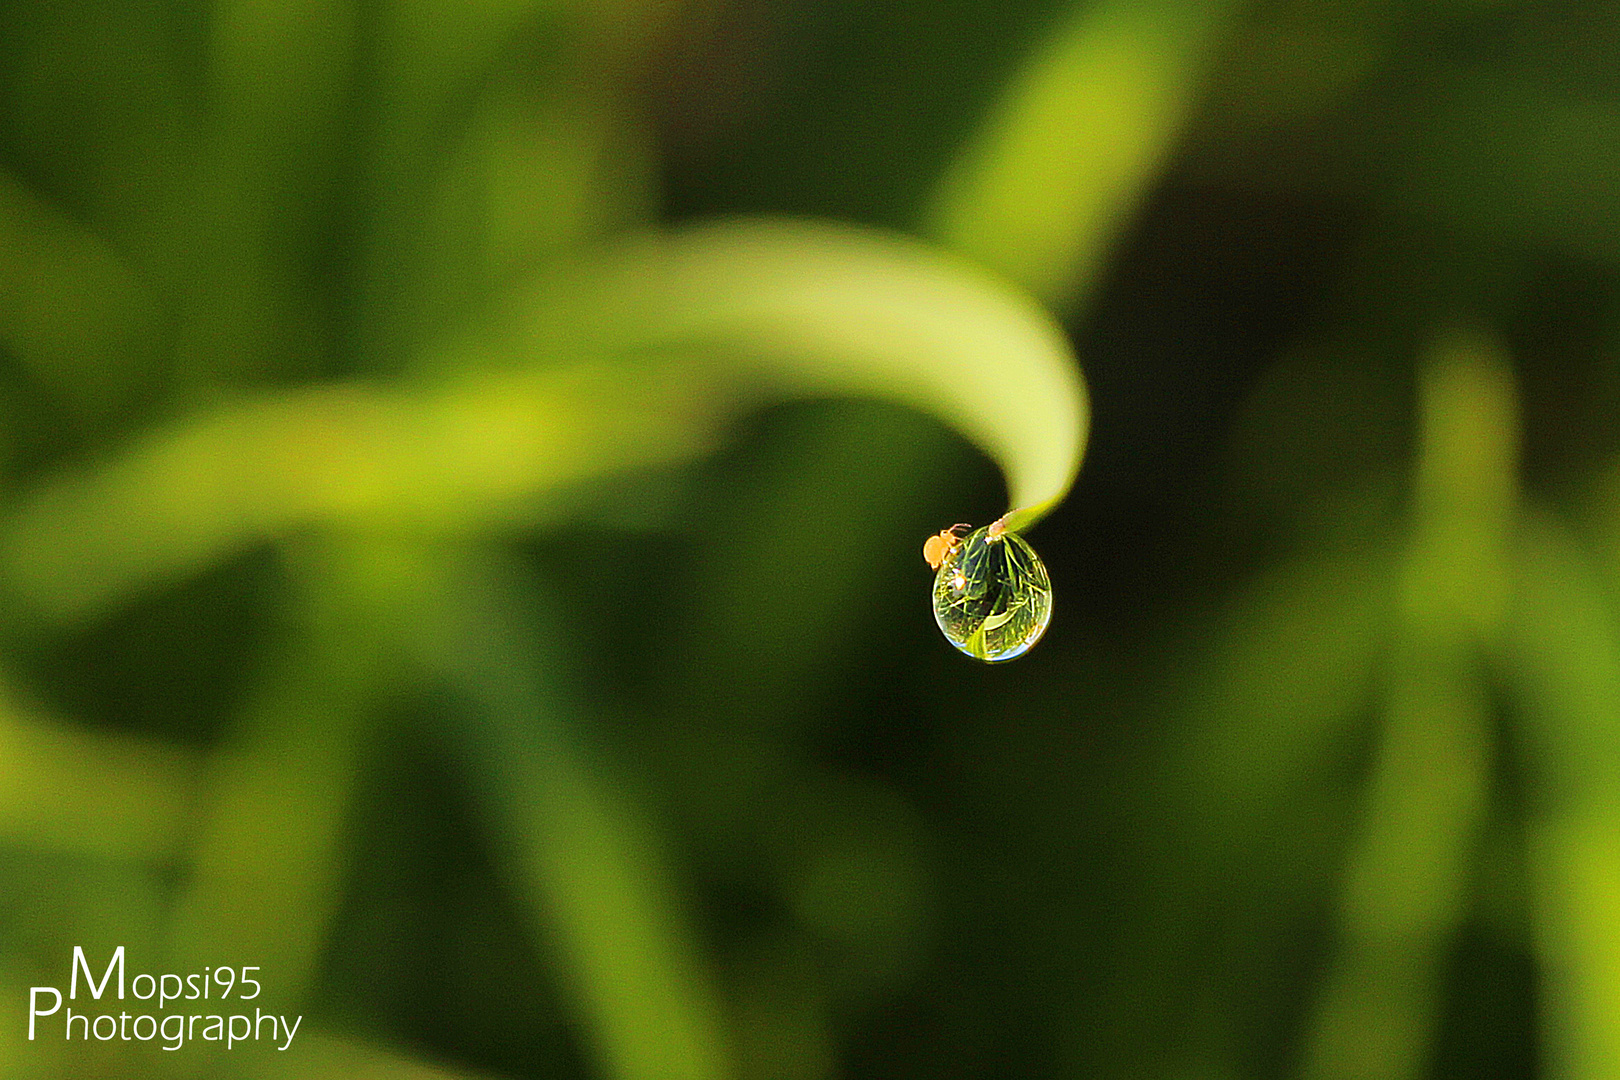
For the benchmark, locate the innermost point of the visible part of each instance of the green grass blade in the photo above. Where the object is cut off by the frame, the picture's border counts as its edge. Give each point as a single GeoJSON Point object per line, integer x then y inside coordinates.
{"type": "Point", "coordinates": [1563, 666]}
{"type": "Point", "coordinates": [64, 790]}
{"type": "Point", "coordinates": [1407, 882]}
{"type": "Point", "coordinates": [657, 346]}
{"type": "Point", "coordinates": [591, 867]}
{"type": "Point", "coordinates": [1062, 160]}
{"type": "Point", "coordinates": [73, 315]}
{"type": "Point", "coordinates": [794, 309]}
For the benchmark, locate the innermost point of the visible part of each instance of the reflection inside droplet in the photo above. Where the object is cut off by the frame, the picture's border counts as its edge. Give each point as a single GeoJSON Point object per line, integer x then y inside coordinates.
{"type": "Point", "coordinates": [992, 598]}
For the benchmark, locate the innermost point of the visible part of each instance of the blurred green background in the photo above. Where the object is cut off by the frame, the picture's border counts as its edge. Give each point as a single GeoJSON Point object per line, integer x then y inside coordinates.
{"type": "Point", "coordinates": [407, 590]}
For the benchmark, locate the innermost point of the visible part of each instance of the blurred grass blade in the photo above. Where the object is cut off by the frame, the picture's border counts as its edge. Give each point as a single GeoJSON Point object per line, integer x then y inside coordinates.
{"type": "Point", "coordinates": [1063, 160]}
{"type": "Point", "coordinates": [676, 336]}
{"type": "Point", "coordinates": [99, 110]}
{"type": "Point", "coordinates": [771, 636]}
{"type": "Point", "coordinates": [503, 124]}
{"type": "Point", "coordinates": [1563, 661]}
{"type": "Point", "coordinates": [592, 867]}
{"type": "Point", "coordinates": [1406, 884]}
{"type": "Point", "coordinates": [1241, 812]}
{"type": "Point", "coordinates": [268, 856]}
{"type": "Point", "coordinates": [257, 470]}
{"type": "Point", "coordinates": [563, 170]}
{"type": "Point", "coordinates": [71, 313]}
{"type": "Point", "coordinates": [534, 178]}
{"type": "Point", "coordinates": [1262, 721]}
{"type": "Point", "coordinates": [279, 80]}
{"type": "Point", "coordinates": [71, 792]}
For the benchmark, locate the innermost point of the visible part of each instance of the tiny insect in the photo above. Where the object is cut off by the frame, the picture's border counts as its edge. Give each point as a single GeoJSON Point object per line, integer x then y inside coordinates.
{"type": "Point", "coordinates": [937, 548]}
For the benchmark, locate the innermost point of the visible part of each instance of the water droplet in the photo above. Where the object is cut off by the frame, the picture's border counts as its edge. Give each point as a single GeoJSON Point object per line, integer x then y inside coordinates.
{"type": "Point", "coordinates": [992, 598]}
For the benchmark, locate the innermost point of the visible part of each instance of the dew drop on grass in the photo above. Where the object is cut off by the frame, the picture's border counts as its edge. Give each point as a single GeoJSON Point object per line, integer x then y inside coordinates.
{"type": "Point", "coordinates": [992, 598]}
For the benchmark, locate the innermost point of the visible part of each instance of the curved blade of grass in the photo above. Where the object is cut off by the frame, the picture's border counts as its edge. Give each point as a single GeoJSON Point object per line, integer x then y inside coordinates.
{"type": "Point", "coordinates": [1064, 157]}
{"type": "Point", "coordinates": [657, 345]}
{"type": "Point", "coordinates": [795, 308]}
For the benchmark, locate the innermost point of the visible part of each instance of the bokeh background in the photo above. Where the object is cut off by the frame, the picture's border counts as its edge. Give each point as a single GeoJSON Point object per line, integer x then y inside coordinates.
{"type": "Point", "coordinates": [656, 766]}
